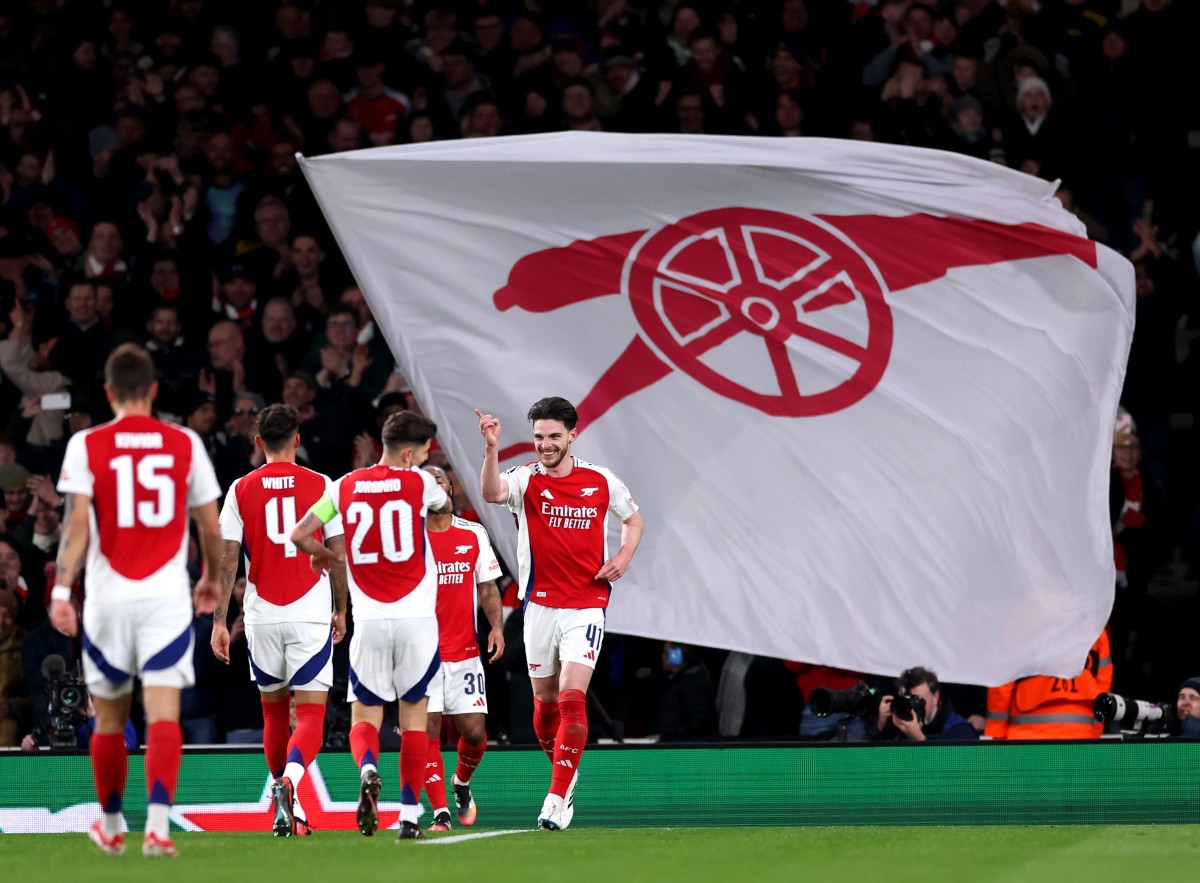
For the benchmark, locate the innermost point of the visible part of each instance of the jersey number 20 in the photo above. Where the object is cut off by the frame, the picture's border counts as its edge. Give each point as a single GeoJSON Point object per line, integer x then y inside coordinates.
{"type": "Point", "coordinates": [395, 531]}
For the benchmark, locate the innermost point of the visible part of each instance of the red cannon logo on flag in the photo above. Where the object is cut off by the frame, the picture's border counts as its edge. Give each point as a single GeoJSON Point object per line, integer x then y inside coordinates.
{"type": "Point", "coordinates": [782, 313]}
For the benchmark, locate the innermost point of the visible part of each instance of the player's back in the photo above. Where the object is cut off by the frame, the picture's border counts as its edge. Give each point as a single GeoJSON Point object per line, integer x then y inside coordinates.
{"type": "Point", "coordinates": [391, 569]}
{"type": "Point", "coordinates": [269, 502]}
{"type": "Point", "coordinates": [140, 471]}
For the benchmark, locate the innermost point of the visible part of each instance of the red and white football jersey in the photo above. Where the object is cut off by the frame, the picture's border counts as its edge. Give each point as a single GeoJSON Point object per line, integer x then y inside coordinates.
{"type": "Point", "coordinates": [260, 512]}
{"type": "Point", "coordinates": [142, 476]}
{"type": "Point", "coordinates": [390, 565]}
{"type": "Point", "coordinates": [562, 535]}
{"type": "Point", "coordinates": [464, 559]}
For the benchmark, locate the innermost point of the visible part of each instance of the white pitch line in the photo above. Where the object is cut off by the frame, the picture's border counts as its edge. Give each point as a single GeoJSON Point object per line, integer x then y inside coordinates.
{"type": "Point", "coordinates": [460, 838]}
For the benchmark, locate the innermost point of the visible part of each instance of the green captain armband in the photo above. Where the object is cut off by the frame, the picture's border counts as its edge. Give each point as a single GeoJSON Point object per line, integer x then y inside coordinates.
{"type": "Point", "coordinates": [324, 510]}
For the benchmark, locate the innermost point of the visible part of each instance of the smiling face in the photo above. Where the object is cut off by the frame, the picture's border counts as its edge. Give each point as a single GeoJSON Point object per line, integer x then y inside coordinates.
{"type": "Point", "coordinates": [552, 441]}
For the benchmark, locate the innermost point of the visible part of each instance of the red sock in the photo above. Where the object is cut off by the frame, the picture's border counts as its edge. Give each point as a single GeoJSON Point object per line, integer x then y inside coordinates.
{"type": "Point", "coordinates": [468, 758]}
{"type": "Point", "coordinates": [164, 750]}
{"type": "Point", "coordinates": [545, 725]}
{"type": "Point", "coordinates": [275, 734]}
{"type": "Point", "coordinates": [414, 751]}
{"type": "Point", "coordinates": [305, 743]}
{"type": "Point", "coordinates": [110, 764]}
{"type": "Point", "coordinates": [572, 736]}
{"type": "Point", "coordinates": [435, 776]}
{"type": "Point", "coordinates": [364, 744]}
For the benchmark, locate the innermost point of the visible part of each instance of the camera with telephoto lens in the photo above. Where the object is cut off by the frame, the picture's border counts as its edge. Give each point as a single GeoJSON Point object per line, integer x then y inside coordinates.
{"type": "Point", "coordinates": [859, 700]}
{"type": "Point", "coordinates": [1138, 715]}
{"type": "Point", "coordinates": [68, 699]}
{"type": "Point", "coordinates": [906, 705]}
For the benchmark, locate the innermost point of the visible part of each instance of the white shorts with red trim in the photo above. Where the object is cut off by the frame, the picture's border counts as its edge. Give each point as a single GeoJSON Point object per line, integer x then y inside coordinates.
{"type": "Point", "coordinates": [554, 635]}
{"type": "Point", "coordinates": [458, 688]}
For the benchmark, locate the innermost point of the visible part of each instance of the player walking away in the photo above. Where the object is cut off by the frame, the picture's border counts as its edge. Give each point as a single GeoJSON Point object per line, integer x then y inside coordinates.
{"type": "Point", "coordinates": [393, 587]}
{"type": "Point", "coordinates": [129, 484]}
{"type": "Point", "coordinates": [562, 506]}
{"type": "Point", "coordinates": [287, 606]}
{"type": "Point", "coordinates": [467, 574]}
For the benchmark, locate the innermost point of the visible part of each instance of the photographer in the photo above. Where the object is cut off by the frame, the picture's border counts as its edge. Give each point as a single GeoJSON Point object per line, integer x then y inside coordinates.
{"type": "Point", "coordinates": [1187, 708]}
{"type": "Point", "coordinates": [917, 712]}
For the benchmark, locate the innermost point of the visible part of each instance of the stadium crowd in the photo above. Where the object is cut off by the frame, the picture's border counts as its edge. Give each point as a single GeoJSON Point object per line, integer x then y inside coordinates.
{"type": "Point", "coordinates": [149, 192]}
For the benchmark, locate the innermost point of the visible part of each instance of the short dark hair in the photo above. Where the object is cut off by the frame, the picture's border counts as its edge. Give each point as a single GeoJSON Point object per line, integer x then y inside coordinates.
{"type": "Point", "coordinates": [166, 305]}
{"type": "Point", "coordinates": [341, 309]}
{"type": "Point", "coordinates": [407, 428]}
{"type": "Point", "coordinates": [554, 408]}
{"type": "Point", "coordinates": [277, 426]}
{"type": "Point", "coordinates": [918, 675]}
{"type": "Point", "coordinates": [129, 372]}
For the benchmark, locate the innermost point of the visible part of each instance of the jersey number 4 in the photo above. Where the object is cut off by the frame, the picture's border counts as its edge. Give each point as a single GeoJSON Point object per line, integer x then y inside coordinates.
{"type": "Point", "coordinates": [395, 531]}
{"type": "Point", "coordinates": [151, 475]}
{"type": "Point", "coordinates": [281, 520]}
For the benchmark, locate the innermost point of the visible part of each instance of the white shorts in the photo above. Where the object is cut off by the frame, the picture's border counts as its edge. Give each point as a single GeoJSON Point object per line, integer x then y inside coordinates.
{"type": "Point", "coordinates": [554, 635]}
{"type": "Point", "coordinates": [458, 688]}
{"type": "Point", "coordinates": [150, 639]}
{"type": "Point", "coordinates": [296, 654]}
{"type": "Point", "coordinates": [392, 658]}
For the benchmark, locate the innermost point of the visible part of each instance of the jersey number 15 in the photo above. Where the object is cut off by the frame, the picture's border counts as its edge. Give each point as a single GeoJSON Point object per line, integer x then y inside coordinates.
{"type": "Point", "coordinates": [150, 474]}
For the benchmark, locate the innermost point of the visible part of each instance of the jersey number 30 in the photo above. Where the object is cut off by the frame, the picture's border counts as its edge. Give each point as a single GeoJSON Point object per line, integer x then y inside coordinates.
{"type": "Point", "coordinates": [395, 531]}
{"type": "Point", "coordinates": [150, 474]}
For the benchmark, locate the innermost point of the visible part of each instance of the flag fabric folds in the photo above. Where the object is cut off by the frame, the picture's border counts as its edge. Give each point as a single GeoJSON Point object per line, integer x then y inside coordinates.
{"type": "Point", "coordinates": [864, 394]}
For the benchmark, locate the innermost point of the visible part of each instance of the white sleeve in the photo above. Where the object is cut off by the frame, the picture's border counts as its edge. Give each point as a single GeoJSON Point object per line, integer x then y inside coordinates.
{"type": "Point", "coordinates": [333, 527]}
{"type": "Point", "coordinates": [232, 526]}
{"type": "Point", "coordinates": [434, 495]}
{"type": "Point", "coordinates": [486, 566]}
{"type": "Point", "coordinates": [202, 479]}
{"type": "Point", "coordinates": [620, 501]}
{"type": "Point", "coordinates": [76, 474]}
{"type": "Point", "coordinates": [517, 480]}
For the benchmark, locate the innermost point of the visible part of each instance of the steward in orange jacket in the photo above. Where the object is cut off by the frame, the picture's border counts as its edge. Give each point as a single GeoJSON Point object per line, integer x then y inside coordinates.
{"type": "Point", "coordinates": [1043, 707]}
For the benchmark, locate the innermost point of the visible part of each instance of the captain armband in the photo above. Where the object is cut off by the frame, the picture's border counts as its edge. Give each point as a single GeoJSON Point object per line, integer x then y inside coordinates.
{"type": "Point", "coordinates": [324, 510]}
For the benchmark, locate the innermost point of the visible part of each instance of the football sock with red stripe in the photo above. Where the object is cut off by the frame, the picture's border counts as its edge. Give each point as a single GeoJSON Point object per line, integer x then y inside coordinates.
{"type": "Point", "coordinates": [164, 750]}
{"type": "Point", "coordinates": [110, 765]}
{"type": "Point", "coordinates": [545, 725]}
{"type": "Point", "coordinates": [302, 748]}
{"type": "Point", "coordinates": [469, 757]}
{"type": "Point", "coordinates": [435, 777]}
{"type": "Point", "coordinates": [572, 737]}
{"type": "Point", "coordinates": [275, 733]}
{"type": "Point", "coordinates": [364, 745]}
{"type": "Point", "coordinates": [414, 751]}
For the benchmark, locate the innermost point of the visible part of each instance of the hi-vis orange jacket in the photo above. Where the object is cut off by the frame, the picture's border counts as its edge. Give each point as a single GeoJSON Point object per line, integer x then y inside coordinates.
{"type": "Point", "coordinates": [1043, 707]}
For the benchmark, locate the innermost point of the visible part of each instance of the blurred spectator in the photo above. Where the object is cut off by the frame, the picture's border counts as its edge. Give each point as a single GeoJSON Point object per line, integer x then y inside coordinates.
{"type": "Point", "coordinates": [236, 454]}
{"type": "Point", "coordinates": [377, 108]}
{"type": "Point", "coordinates": [687, 707]}
{"type": "Point", "coordinates": [14, 692]}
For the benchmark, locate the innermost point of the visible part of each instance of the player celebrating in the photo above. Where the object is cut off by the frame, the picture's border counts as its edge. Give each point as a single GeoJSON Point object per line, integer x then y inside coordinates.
{"type": "Point", "coordinates": [562, 506]}
{"type": "Point", "coordinates": [393, 585]}
{"type": "Point", "coordinates": [129, 484]}
{"type": "Point", "coordinates": [467, 573]}
{"type": "Point", "coordinates": [287, 606]}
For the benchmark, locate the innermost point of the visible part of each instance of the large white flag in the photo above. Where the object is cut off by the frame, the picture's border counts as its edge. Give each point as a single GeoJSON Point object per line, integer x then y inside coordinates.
{"type": "Point", "coordinates": [863, 394]}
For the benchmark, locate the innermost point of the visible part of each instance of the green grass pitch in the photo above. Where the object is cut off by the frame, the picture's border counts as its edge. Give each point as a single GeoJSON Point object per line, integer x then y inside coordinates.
{"type": "Point", "coordinates": [1088, 854]}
